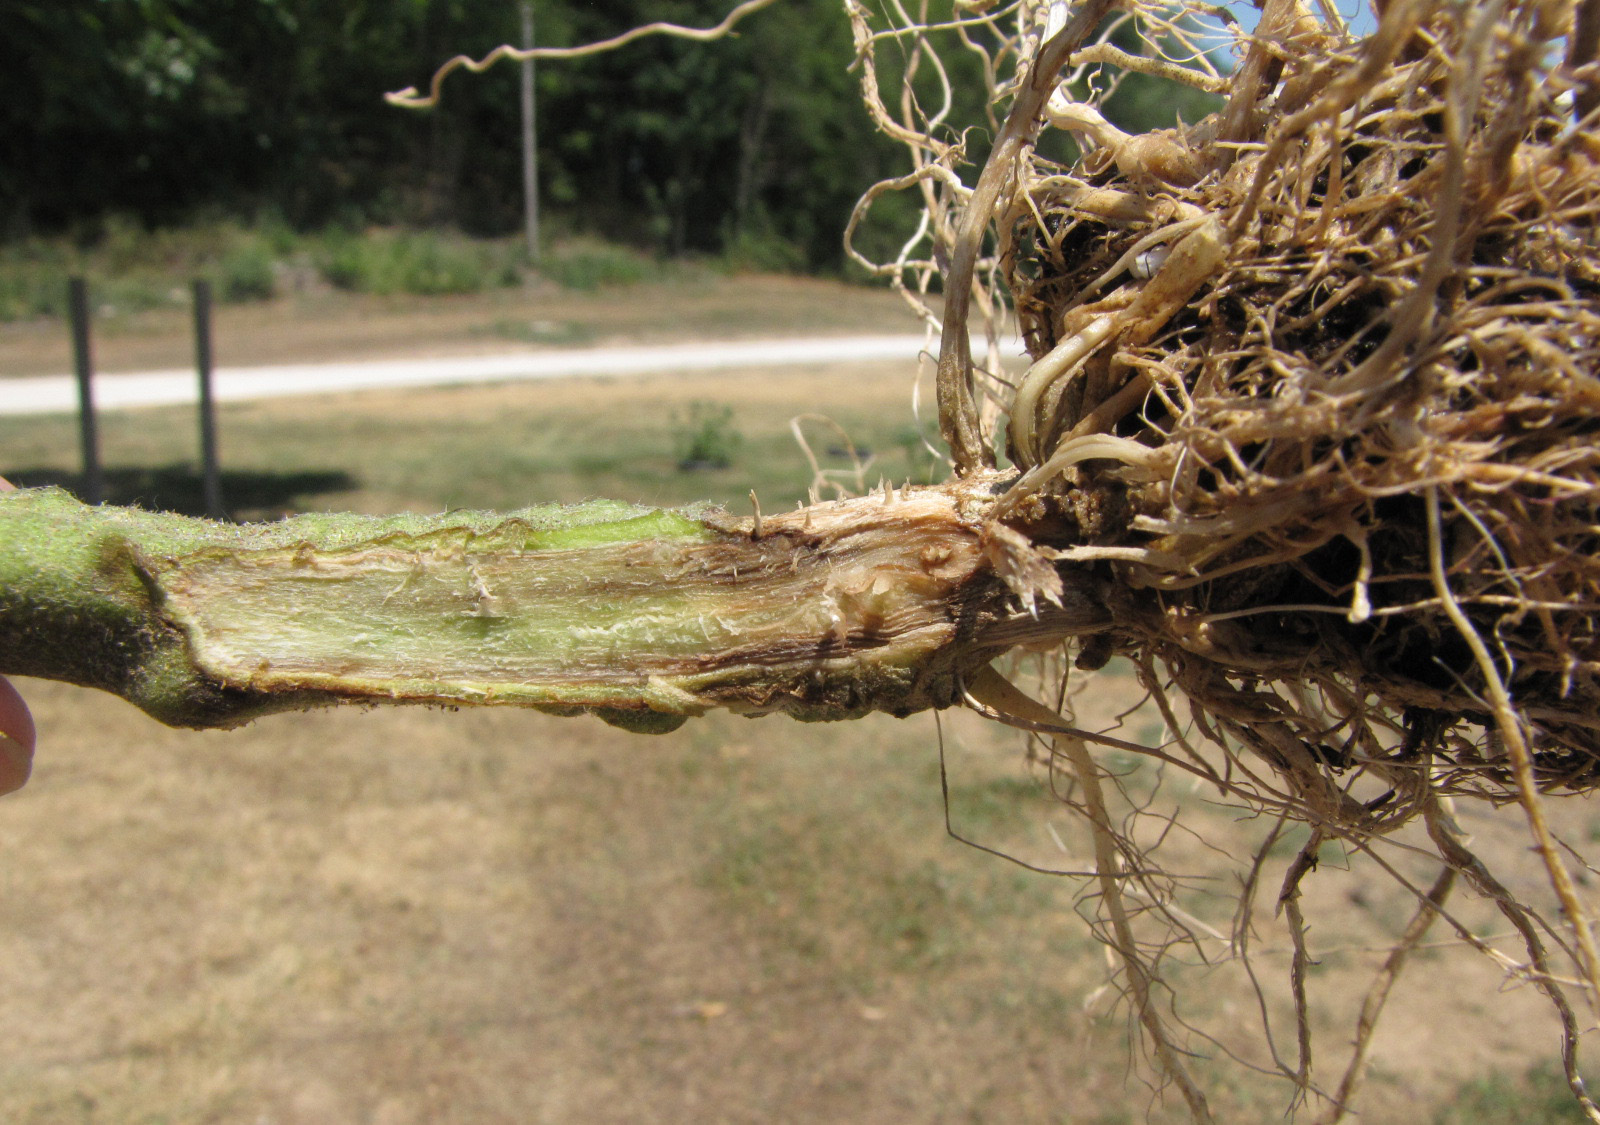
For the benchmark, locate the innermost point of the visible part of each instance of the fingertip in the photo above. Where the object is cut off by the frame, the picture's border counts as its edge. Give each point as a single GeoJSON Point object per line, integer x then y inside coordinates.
{"type": "Point", "coordinates": [17, 738]}
{"type": "Point", "coordinates": [16, 721]}
{"type": "Point", "coordinates": [16, 764]}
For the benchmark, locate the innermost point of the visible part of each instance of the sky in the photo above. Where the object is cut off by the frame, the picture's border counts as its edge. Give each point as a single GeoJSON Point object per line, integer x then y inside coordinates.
{"type": "Point", "coordinates": [1358, 13]}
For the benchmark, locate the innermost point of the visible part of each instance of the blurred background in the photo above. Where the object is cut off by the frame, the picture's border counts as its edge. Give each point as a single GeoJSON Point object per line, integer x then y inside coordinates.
{"type": "Point", "coordinates": [250, 139]}
{"type": "Point", "coordinates": [423, 916]}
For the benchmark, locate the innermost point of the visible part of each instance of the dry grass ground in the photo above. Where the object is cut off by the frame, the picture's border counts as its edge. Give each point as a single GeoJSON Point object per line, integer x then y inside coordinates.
{"type": "Point", "coordinates": [486, 917]}
{"type": "Point", "coordinates": [423, 917]}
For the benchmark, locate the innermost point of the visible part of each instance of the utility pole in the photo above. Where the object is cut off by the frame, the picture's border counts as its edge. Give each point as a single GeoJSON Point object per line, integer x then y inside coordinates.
{"type": "Point", "coordinates": [210, 469]}
{"type": "Point", "coordinates": [94, 484]}
{"type": "Point", "coordinates": [530, 149]}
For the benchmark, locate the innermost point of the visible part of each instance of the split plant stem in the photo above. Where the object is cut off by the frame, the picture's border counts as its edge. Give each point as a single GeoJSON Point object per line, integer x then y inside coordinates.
{"type": "Point", "coordinates": [644, 616]}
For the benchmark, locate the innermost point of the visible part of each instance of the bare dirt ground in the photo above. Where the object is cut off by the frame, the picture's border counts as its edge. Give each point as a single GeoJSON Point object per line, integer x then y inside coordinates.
{"type": "Point", "coordinates": [494, 917]}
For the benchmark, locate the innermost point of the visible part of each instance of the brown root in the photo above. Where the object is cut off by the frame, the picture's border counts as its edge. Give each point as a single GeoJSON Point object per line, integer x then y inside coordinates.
{"type": "Point", "coordinates": [1312, 385]}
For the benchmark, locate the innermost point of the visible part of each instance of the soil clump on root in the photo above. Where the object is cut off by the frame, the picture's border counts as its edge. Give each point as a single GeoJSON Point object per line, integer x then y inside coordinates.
{"type": "Point", "coordinates": [1314, 379]}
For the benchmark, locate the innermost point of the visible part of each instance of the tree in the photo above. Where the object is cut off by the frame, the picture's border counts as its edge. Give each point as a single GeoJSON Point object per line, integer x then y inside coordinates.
{"type": "Point", "coordinates": [164, 110]}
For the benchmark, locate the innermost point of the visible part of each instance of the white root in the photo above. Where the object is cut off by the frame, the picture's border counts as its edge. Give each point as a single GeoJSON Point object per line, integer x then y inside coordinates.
{"type": "Point", "coordinates": [1194, 261]}
{"type": "Point", "coordinates": [1059, 363]}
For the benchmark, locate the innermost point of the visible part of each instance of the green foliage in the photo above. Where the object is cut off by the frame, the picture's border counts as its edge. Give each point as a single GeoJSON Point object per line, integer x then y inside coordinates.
{"type": "Point", "coordinates": [762, 252]}
{"type": "Point", "coordinates": [707, 437]}
{"type": "Point", "coordinates": [164, 109]}
{"type": "Point", "coordinates": [248, 273]}
{"type": "Point", "coordinates": [588, 265]}
{"type": "Point", "coordinates": [424, 263]}
{"type": "Point", "coordinates": [32, 281]}
{"type": "Point", "coordinates": [130, 269]}
{"type": "Point", "coordinates": [752, 148]}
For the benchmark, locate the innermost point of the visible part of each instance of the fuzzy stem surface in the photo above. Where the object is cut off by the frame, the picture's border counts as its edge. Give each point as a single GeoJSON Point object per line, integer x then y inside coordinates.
{"type": "Point", "coordinates": [643, 616]}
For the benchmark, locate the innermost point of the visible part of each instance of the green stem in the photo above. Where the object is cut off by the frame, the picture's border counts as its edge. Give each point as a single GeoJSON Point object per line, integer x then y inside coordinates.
{"type": "Point", "coordinates": [643, 616]}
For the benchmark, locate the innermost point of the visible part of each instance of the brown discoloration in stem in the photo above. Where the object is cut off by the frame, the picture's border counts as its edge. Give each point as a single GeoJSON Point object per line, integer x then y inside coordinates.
{"type": "Point", "coordinates": [871, 604]}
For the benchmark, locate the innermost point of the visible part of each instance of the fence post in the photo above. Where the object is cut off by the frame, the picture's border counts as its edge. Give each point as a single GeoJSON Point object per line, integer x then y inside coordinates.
{"type": "Point", "coordinates": [211, 473]}
{"type": "Point", "coordinates": [94, 490]}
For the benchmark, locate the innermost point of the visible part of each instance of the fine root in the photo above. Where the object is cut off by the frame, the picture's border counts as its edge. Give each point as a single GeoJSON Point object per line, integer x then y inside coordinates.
{"type": "Point", "coordinates": [1311, 384]}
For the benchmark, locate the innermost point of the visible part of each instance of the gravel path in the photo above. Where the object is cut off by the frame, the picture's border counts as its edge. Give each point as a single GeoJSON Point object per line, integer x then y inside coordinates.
{"type": "Point", "coordinates": [58, 394]}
